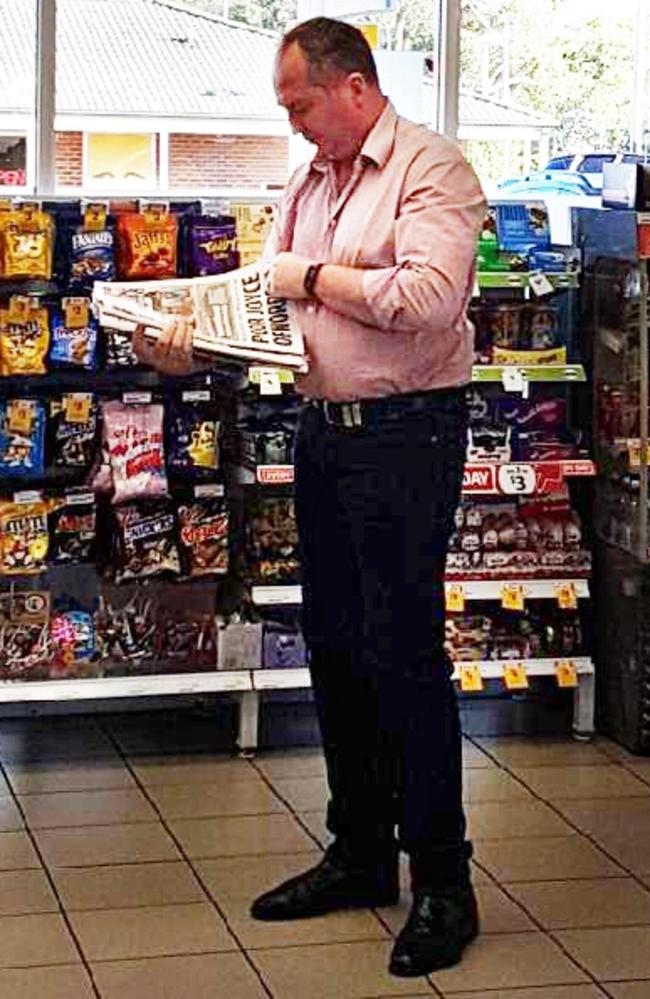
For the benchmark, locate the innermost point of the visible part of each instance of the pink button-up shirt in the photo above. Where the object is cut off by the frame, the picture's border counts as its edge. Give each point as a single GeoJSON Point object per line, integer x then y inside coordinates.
{"type": "Point", "coordinates": [410, 216]}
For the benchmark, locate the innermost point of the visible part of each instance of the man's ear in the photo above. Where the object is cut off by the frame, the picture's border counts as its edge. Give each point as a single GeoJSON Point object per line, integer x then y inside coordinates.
{"type": "Point", "coordinates": [357, 84]}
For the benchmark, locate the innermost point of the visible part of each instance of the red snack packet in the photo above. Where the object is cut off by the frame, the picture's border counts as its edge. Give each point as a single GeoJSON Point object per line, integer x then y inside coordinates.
{"type": "Point", "coordinates": [147, 245]}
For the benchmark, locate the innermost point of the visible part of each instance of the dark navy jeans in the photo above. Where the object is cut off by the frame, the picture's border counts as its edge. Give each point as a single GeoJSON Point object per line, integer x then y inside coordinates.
{"type": "Point", "coordinates": [375, 508]}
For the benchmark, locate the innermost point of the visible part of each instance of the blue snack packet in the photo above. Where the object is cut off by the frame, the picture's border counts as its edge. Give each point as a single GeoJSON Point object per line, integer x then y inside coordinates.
{"type": "Point", "coordinates": [92, 257]}
{"type": "Point", "coordinates": [73, 347]}
{"type": "Point", "coordinates": [22, 438]}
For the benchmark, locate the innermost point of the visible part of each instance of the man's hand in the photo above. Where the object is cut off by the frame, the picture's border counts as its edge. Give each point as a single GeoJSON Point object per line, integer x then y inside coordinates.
{"type": "Point", "coordinates": [172, 352]}
{"type": "Point", "coordinates": [287, 277]}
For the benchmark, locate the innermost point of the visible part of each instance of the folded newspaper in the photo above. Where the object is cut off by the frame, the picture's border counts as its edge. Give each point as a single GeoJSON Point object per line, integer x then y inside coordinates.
{"type": "Point", "coordinates": [234, 316]}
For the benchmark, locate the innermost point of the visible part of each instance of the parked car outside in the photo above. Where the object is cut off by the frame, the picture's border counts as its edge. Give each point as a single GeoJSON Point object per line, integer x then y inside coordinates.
{"type": "Point", "coordinates": [590, 164]}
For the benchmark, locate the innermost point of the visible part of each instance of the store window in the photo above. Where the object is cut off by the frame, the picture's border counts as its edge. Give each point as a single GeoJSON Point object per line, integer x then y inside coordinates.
{"type": "Point", "coordinates": [17, 95]}
{"type": "Point", "coordinates": [554, 83]}
{"type": "Point", "coordinates": [120, 161]}
{"type": "Point", "coordinates": [13, 161]}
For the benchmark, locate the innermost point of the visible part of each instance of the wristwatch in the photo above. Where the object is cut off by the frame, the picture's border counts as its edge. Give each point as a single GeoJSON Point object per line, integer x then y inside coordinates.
{"type": "Point", "coordinates": [311, 277]}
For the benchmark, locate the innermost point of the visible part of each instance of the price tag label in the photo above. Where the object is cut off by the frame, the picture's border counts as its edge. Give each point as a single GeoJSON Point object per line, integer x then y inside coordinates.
{"type": "Point", "coordinates": [470, 678]}
{"type": "Point", "coordinates": [26, 496]}
{"type": "Point", "coordinates": [454, 598]}
{"type": "Point", "coordinates": [567, 597]}
{"type": "Point", "coordinates": [136, 398]}
{"type": "Point", "coordinates": [95, 213]}
{"type": "Point", "coordinates": [76, 407]}
{"type": "Point", "coordinates": [154, 211]}
{"type": "Point", "coordinates": [512, 597]}
{"type": "Point", "coordinates": [517, 480]}
{"type": "Point", "coordinates": [270, 383]}
{"type": "Point", "coordinates": [28, 209]}
{"type": "Point", "coordinates": [513, 379]}
{"type": "Point", "coordinates": [76, 312]}
{"type": "Point", "coordinates": [21, 416]}
{"type": "Point", "coordinates": [540, 284]}
{"type": "Point", "coordinates": [566, 673]}
{"type": "Point", "coordinates": [20, 307]}
{"type": "Point", "coordinates": [515, 676]}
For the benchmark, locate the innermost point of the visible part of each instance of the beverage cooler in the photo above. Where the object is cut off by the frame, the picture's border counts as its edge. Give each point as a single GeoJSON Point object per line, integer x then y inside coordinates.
{"type": "Point", "coordinates": [615, 299]}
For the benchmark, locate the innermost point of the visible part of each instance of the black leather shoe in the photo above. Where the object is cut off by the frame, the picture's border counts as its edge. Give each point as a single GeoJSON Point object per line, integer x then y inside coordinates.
{"type": "Point", "coordinates": [332, 884]}
{"type": "Point", "coordinates": [440, 925]}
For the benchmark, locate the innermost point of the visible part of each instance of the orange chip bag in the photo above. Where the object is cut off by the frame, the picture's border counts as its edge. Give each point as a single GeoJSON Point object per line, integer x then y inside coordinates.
{"type": "Point", "coordinates": [147, 245]}
{"type": "Point", "coordinates": [26, 243]}
{"type": "Point", "coordinates": [24, 537]}
{"type": "Point", "coordinates": [24, 340]}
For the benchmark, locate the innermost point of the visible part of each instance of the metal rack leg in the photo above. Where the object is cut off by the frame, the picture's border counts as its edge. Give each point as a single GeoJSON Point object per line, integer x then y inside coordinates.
{"type": "Point", "coordinates": [584, 707]}
{"type": "Point", "coordinates": [249, 708]}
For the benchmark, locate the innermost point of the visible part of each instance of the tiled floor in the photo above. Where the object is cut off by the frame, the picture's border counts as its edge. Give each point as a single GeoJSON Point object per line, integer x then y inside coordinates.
{"type": "Point", "coordinates": [128, 873]}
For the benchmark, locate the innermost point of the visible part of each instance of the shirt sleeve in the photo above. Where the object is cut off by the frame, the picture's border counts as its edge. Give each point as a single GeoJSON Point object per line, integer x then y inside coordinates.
{"type": "Point", "coordinates": [435, 245]}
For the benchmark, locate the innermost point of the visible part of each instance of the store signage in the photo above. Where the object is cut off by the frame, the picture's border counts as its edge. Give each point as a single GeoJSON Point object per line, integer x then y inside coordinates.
{"type": "Point", "coordinates": [274, 474]}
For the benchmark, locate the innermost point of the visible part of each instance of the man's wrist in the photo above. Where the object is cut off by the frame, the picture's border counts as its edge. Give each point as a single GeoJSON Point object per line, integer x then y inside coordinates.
{"type": "Point", "coordinates": [310, 279]}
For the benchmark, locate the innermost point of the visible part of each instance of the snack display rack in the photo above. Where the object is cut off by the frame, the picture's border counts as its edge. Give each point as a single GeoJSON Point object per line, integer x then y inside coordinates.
{"type": "Point", "coordinates": [616, 252]}
{"type": "Point", "coordinates": [556, 582]}
{"type": "Point", "coordinates": [522, 567]}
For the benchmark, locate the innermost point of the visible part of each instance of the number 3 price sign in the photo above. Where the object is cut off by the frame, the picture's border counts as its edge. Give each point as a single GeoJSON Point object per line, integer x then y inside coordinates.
{"type": "Point", "coordinates": [517, 480]}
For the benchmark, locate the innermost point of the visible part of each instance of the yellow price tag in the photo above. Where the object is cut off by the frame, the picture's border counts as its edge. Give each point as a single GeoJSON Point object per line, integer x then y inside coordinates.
{"type": "Point", "coordinates": [512, 597]}
{"type": "Point", "coordinates": [515, 677]}
{"type": "Point", "coordinates": [566, 673]}
{"type": "Point", "coordinates": [454, 598]}
{"type": "Point", "coordinates": [77, 407]}
{"type": "Point", "coordinates": [20, 307]}
{"type": "Point", "coordinates": [95, 216]}
{"type": "Point", "coordinates": [470, 678]}
{"type": "Point", "coordinates": [21, 416]}
{"type": "Point", "coordinates": [567, 597]}
{"type": "Point", "coordinates": [76, 312]}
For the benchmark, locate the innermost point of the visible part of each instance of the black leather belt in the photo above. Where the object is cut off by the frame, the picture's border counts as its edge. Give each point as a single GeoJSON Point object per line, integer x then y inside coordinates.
{"type": "Point", "coordinates": [366, 412]}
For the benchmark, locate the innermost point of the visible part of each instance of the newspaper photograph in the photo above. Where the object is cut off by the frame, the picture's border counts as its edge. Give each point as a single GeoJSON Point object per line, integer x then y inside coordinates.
{"type": "Point", "coordinates": [233, 314]}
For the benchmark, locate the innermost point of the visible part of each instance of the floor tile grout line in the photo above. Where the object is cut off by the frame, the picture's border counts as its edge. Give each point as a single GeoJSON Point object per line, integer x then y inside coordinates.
{"type": "Point", "coordinates": [209, 897]}
{"type": "Point", "coordinates": [549, 933]}
{"type": "Point", "coordinates": [297, 817]}
{"type": "Point", "coordinates": [585, 835]}
{"type": "Point", "coordinates": [62, 911]}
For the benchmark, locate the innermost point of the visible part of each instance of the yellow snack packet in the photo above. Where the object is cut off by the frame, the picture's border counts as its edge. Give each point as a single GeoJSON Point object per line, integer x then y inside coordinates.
{"type": "Point", "coordinates": [24, 340]}
{"type": "Point", "coordinates": [26, 243]}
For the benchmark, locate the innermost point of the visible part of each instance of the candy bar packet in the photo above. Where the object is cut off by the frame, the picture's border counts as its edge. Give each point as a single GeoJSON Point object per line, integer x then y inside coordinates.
{"type": "Point", "coordinates": [74, 335]}
{"type": "Point", "coordinates": [134, 438]}
{"type": "Point", "coordinates": [204, 525]}
{"type": "Point", "coordinates": [73, 427]}
{"type": "Point", "coordinates": [73, 642]}
{"type": "Point", "coordinates": [73, 529]}
{"type": "Point", "coordinates": [210, 243]}
{"type": "Point", "coordinates": [24, 536]}
{"type": "Point", "coordinates": [193, 436]}
{"type": "Point", "coordinates": [119, 351]}
{"type": "Point", "coordinates": [126, 633]}
{"type": "Point", "coordinates": [145, 541]}
{"type": "Point", "coordinates": [22, 438]}
{"type": "Point", "coordinates": [24, 337]}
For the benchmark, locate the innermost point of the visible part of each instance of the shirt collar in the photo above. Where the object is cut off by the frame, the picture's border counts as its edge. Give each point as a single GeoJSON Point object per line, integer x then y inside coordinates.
{"type": "Point", "coordinates": [378, 144]}
{"type": "Point", "coordinates": [381, 137]}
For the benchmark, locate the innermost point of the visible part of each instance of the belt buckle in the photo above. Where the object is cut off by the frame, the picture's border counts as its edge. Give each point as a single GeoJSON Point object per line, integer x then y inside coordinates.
{"type": "Point", "coordinates": [352, 415]}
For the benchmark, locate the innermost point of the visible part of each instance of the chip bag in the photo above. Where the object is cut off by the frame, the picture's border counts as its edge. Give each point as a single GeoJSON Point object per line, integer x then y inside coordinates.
{"type": "Point", "coordinates": [24, 338]}
{"type": "Point", "coordinates": [147, 245]}
{"type": "Point", "coordinates": [73, 346]}
{"type": "Point", "coordinates": [26, 243]}
{"type": "Point", "coordinates": [134, 439]}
